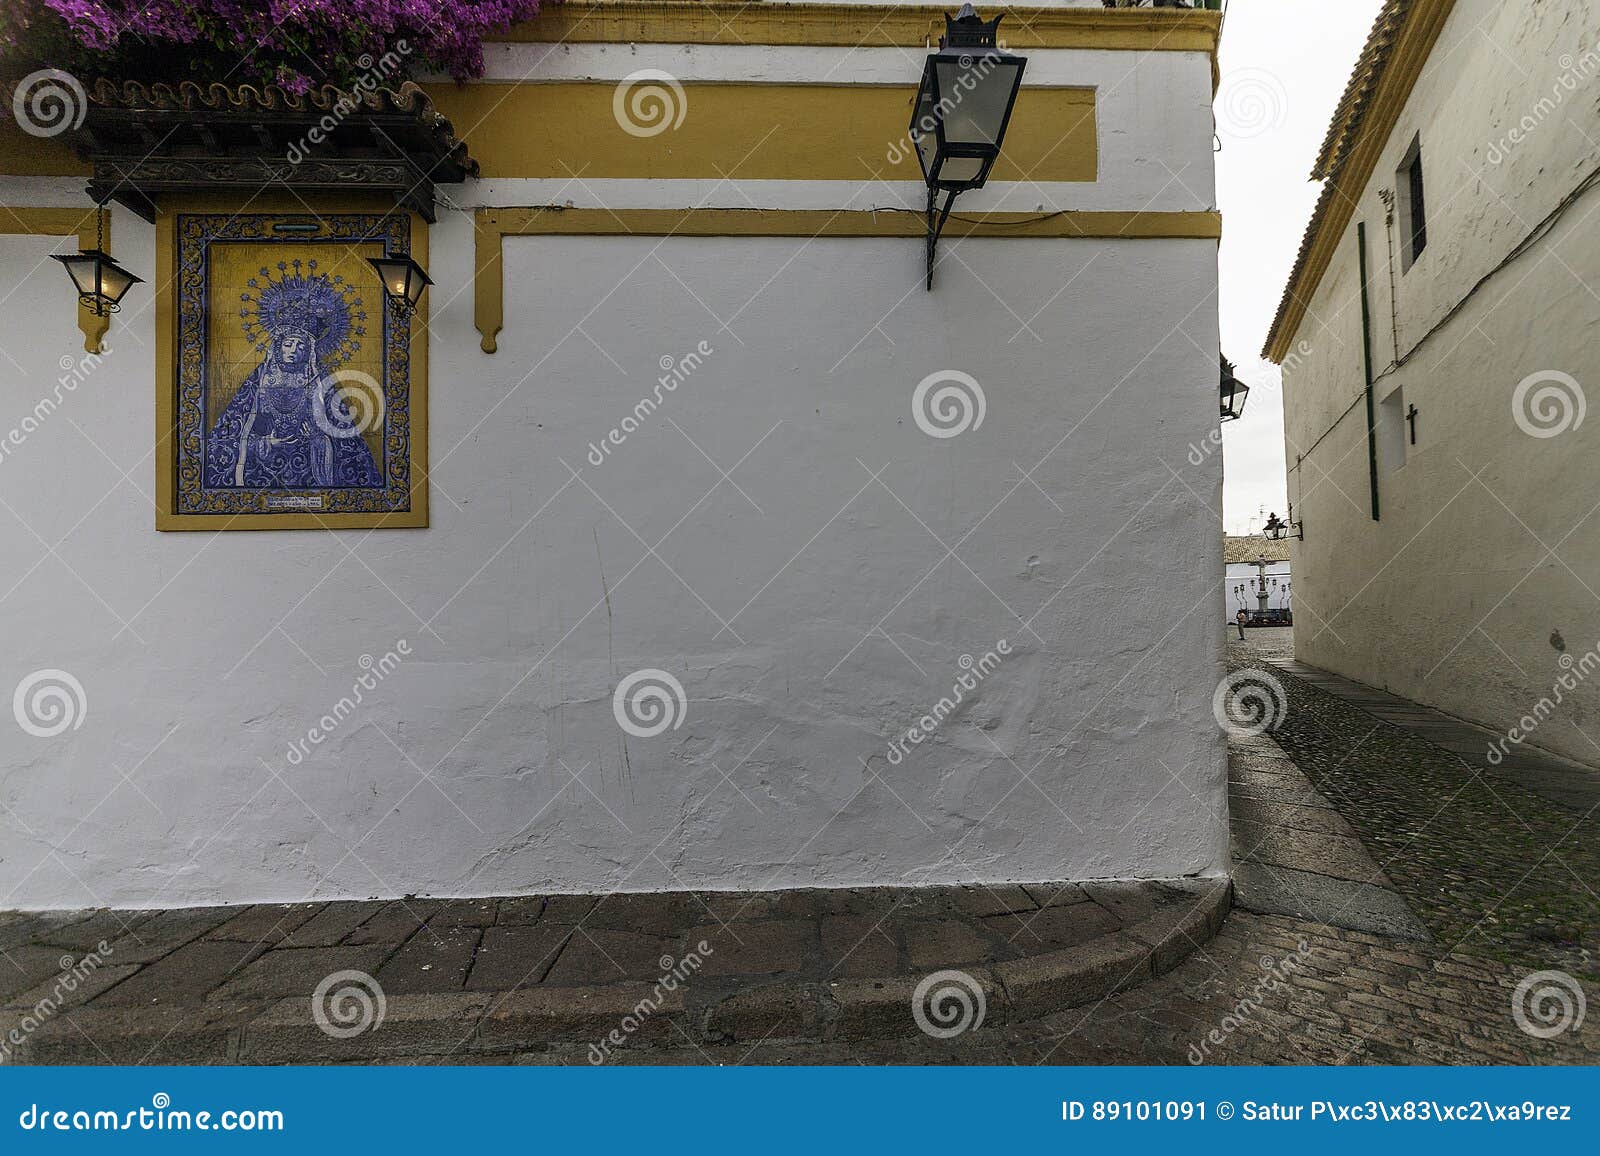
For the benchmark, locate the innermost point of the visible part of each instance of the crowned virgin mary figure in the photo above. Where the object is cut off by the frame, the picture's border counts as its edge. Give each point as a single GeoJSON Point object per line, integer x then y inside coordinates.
{"type": "Point", "coordinates": [289, 426]}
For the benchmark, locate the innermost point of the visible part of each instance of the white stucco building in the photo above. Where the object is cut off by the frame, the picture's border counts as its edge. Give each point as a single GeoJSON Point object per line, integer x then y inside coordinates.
{"type": "Point", "coordinates": [711, 448]}
{"type": "Point", "coordinates": [1437, 341]}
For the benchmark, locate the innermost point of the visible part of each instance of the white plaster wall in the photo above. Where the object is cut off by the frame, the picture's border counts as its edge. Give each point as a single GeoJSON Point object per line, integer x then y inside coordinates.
{"type": "Point", "coordinates": [490, 761]}
{"type": "Point", "coordinates": [1485, 555]}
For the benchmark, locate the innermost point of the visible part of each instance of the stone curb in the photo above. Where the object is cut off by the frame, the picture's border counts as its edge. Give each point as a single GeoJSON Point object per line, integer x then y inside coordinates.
{"type": "Point", "coordinates": [631, 1015]}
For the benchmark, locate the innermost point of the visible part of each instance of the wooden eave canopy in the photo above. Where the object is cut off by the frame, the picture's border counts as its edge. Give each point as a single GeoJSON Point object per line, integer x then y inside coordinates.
{"type": "Point", "coordinates": [145, 142]}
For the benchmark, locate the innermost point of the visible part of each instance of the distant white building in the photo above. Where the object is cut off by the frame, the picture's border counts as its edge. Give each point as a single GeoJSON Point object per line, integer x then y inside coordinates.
{"type": "Point", "coordinates": [1438, 344]}
{"type": "Point", "coordinates": [1256, 575]}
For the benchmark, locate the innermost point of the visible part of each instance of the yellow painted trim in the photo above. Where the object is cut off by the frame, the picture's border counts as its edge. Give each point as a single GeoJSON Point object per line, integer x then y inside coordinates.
{"type": "Point", "coordinates": [861, 25]}
{"type": "Point", "coordinates": [167, 377]}
{"type": "Point", "coordinates": [65, 223]}
{"type": "Point", "coordinates": [749, 132]}
{"type": "Point", "coordinates": [1412, 49]}
{"type": "Point", "coordinates": [492, 226]}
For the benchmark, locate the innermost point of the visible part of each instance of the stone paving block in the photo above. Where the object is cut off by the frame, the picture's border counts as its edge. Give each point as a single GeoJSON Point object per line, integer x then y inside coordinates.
{"type": "Point", "coordinates": [21, 927]}
{"type": "Point", "coordinates": [194, 1034]}
{"type": "Point", "coordinates": [567, 908]}
{"type": "Point", "coordinates": [1293, 816]}
{"type": "Point", "coordinates": [296, 971]}
{"type": "Point", "coordinates": [981, 900]}
{"type": "Point", "coordinates": [783, 1011]}
{"type": "Point", "coordinates": [465, 913]}
{"type": "Point", "coordinates": [1173, 934]}
{"type": "Point", "coordinates": [166, 931]}
{"type": "Point", "coordinates": [1130, 902]}
{"type": "Point", "coordinates": [516, 956]}
{"type": "Point", "coordinates": [856, 946]}
{"type": "Point", "coordinates": [1053, 927]}
{"type": "Point", "coordinates": [519, 910]}
{"type": "Point", "coordinates": [1339, 856]}
{"type": "Point", "coordinates": [535, 1017]}
{"type": "Point", "coordinates": [101, 926]}
{"type": "Point", "coordinates": [1055, 894]}
{"type": "Point", "coordinates": [187, 976]}
{"type": "Point", "coordinates": [601, 955]}
{"type": "Point", "coordinates": [932, 944]}
{"type": "Point", "coordinates": [266, 923]}
{"type": "Point", "coordinates": [666, 914]}
{"type": "Point", "coordinates": [874, 901]}
{"type": "Point", "coordinates": [435, 959]}
{"type": "Point", "coordinates": [766, 948]}
{"type": "Point", "coordinates": [1300, 795]}
{"type": "Point", "coordinates": [872, 1009]}
{"type": "Point", "coordinates": [1285, 891]}
{"type": "Point", "coordinates": [394, 924]}
{"type": "Point", "coordinates": [1039, 984]}
{"type": "Point", "coordinates": [434, 1024]}
{"type": "Point", "coordinates": [329, 926]}
{"type": "Point", "coordinates": [72, 988]}
{"type": "Point", "coordinates": [22, 968]}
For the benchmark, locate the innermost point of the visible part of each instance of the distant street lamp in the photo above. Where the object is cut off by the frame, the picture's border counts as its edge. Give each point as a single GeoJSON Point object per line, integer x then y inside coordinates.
{"type": "Point", "coordinates": [1277, 529]}
{"type": "Point", "coordinates": [961, 114]}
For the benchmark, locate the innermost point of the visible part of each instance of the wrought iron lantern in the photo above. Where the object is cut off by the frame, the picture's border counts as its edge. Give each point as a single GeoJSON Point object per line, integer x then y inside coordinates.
{"type": "Point", "coordinates": [1234, 393]}
{"type": "Point", "coordinates": [100, 281]}
{"type": "Point", "coordinates": [963, 108]}
{"type": "Point", "coordinates": [404, 281]}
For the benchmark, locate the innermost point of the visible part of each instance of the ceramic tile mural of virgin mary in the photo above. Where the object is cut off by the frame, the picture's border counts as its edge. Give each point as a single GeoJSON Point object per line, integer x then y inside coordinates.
{"type": "Point", "coordinates": [291, 425]}
{"type": "Point", "coordinates": [293, 403]}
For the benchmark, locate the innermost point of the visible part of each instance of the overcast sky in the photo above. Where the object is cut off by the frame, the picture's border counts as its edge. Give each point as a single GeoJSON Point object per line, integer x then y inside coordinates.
{"type": "Point", "coordinates": [1284, 67]}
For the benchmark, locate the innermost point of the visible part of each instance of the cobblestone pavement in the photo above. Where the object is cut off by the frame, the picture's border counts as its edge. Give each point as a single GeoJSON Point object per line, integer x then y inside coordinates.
{"type": "Point", "coordinates": [1489, 867]}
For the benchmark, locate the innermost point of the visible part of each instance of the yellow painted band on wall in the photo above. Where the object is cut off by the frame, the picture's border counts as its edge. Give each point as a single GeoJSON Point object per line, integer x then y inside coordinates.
{"type": "Point", "coordinates": [746, 132]}
{"type": "Point", "coordinates": [492, 226]}
{"type": "Point", "coordinates": [861, 25]}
